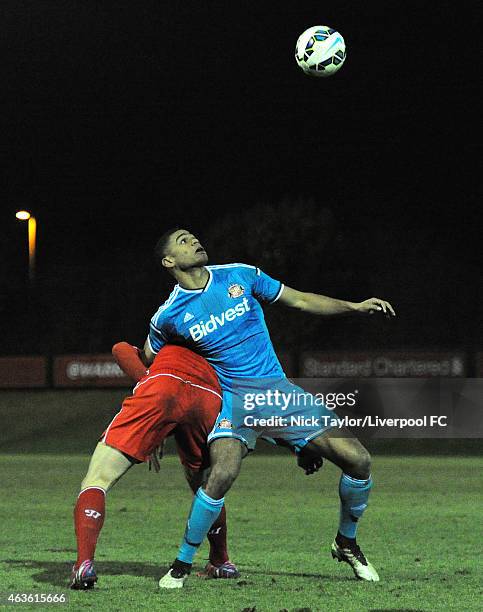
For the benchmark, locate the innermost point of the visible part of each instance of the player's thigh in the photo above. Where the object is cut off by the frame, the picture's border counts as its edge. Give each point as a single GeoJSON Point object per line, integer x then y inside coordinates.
{"type": "Point", "coordinates": [227, 451]}
{"type": "Point", "coordinates": [226, 455]}
{"type": "Point", "coordinates": [344, 450]}
{"type": "Point", "coordinates": [107, 465]}
{"type": "Point", "coordinates": [196, 419]}
{"type": "Point", "coordinates": [146, 418]}
{"type": "Point", "coordinates": [191, 445]}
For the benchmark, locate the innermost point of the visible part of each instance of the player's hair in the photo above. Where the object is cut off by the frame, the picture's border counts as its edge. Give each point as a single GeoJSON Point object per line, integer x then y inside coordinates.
{"type": "Point", "coordinates": [162, 243]}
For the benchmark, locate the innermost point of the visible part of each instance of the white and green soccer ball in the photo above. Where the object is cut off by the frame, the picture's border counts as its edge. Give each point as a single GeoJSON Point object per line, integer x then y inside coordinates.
{"type": "Point", "coordinates": [320, 51]}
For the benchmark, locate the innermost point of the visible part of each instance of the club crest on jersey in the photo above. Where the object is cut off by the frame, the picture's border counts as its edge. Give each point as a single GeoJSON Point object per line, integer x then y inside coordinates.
{"type": "Point", "coordinates": [236, 290]}
{"type": "Point", "coordinates": [225, 424]}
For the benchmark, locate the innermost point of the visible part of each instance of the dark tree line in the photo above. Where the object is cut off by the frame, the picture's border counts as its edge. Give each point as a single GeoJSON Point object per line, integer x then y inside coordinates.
{"type": "Point", "coordinates": [307, 244]}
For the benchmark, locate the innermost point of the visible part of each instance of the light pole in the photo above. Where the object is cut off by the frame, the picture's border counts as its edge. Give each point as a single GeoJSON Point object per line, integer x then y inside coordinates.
{"type": "Point", "coordinates": [24, 215]}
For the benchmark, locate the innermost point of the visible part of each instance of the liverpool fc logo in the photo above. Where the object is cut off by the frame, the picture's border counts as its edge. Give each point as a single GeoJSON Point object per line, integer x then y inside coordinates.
{"type": "Point", "coordinates": [235, 290]}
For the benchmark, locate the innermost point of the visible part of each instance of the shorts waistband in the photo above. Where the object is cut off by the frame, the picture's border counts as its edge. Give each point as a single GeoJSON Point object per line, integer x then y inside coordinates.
{"type": "Point", "coordinates": [183, 377]}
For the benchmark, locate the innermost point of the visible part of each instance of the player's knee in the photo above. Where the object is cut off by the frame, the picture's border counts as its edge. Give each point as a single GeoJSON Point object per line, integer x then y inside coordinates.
{"type": "Point", "coordinates": [221, 479]}
{"type": "Point", "coordinates": [102, 476]}
{"type": "Point", "coordinates": [362, 463]}
{"type": "Point", "coordinates": [225, 475]}
{"type": "Point", "coordinates": [226, 457]}
{"type": "Point", "coordinates": [99, 479]}
{"type": "Point", "coordinates": [107, 465]}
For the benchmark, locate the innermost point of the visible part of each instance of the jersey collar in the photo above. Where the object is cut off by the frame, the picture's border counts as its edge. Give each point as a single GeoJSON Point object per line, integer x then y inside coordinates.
{"type": "Point", "coordinates": [205, 288]}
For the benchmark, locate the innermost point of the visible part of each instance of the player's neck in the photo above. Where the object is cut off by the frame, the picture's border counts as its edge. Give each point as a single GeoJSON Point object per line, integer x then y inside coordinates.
{"type": "Point", "coordinates": [194, 278]}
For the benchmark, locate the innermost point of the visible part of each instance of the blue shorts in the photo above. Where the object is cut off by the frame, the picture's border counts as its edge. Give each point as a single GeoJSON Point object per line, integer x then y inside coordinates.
{"type": "Point", "coordinates": [272, 409]}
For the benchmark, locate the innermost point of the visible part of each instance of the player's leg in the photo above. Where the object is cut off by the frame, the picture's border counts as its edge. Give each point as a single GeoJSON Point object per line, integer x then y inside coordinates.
{"type": "Point", "coordinates": [225, 456]}
{"type": "Point", "coordinates": [193, 451]}
{"type": "Point", "coordinates": [106, 467]}
{"type": "Point", "coordinates": [345, 451]}
{"type": "Point", "coordinates": [217, 533]}
{"type": "Point", "coordinates": [131, 437]}
{"type": "Point", "coordinates": [219, 564]}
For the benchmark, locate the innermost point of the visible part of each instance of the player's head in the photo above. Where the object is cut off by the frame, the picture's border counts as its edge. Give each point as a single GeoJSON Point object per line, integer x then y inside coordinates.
{"type": "Point", "coordinates": [178, 249]}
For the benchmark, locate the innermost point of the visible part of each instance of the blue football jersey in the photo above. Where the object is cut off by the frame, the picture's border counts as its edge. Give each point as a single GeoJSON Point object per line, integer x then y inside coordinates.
{"type": "Point", "coordinates": [224, 322]}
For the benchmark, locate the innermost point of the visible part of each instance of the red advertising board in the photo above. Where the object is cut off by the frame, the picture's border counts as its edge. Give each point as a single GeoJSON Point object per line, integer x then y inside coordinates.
{"type": "Point", "coordinates": [23, 372]}
{"type": "Point", "coordinates": [384, 364]}
{"type": "Point", "coordinates": [88, 371]}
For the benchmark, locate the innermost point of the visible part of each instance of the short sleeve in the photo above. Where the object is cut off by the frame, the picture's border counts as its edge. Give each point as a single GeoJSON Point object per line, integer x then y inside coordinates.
{"type": "Point", "coordinates": [265, 288]}
{"type": "Point", "coordinates": [156, 338]}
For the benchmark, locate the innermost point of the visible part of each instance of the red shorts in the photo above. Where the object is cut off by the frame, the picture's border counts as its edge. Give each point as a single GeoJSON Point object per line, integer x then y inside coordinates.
{"type": "Point", "coordinates": [161, 404]}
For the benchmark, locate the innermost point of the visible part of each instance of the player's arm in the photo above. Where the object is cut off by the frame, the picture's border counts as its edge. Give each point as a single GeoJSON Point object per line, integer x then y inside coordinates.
{"type": "Point", "coordinates": [128, 358]}
{"type": "Point", "coordinates": [147, 356]}
{"type": "Point", "coordinates": [323, 305]}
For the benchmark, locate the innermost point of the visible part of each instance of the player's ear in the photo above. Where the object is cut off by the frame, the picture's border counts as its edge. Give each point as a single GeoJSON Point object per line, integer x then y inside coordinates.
{"type": "Point", "coordinates": [168, 261]}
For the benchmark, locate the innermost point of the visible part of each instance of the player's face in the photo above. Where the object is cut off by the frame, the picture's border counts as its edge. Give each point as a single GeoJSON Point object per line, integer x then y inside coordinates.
{"type": "Point", "coordinates": [186, 250]}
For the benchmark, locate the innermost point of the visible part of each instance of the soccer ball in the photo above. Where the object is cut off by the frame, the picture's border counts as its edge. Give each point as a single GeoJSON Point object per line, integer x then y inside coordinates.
{"type": "Point", "coordinates": [320, 51]}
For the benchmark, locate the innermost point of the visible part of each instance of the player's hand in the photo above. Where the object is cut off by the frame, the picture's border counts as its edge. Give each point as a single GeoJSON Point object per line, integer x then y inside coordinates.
{"type": "Point", "coordinates": [310, 465]}
{"type": "Point", "coordinates": [374, 305]}
{"type": "Point", "coordinates": [155, 457]}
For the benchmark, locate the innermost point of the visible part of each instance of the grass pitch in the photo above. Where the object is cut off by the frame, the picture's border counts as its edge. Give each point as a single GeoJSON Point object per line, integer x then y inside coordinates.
{"type": "Point", "coordinates": [420, 532]}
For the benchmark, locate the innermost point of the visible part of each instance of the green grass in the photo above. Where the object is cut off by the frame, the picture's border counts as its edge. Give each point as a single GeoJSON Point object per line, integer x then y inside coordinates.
{"type": "Point", "coordinates": [420, 531]}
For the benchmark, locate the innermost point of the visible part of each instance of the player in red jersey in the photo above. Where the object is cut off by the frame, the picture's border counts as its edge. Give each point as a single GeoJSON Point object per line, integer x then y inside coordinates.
{"type": "Point", "coordinates": [179, 395]}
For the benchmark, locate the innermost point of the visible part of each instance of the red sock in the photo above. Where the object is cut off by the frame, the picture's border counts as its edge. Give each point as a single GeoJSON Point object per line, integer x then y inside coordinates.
{"type": "Point", "coordinates": [88, 520]}
{"type": "Point", "coordinates": [217, 539]}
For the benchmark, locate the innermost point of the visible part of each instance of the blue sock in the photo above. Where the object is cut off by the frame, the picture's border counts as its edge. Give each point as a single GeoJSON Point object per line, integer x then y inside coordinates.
{"type": "Point", "coordinates": [354, 495]}
{"type": "Point", "coordinates": [204, 512]}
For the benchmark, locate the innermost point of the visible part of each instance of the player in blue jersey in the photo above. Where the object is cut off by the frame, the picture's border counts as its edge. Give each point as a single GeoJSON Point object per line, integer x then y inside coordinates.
{"type": "Point", "coordinates": [216, 311]}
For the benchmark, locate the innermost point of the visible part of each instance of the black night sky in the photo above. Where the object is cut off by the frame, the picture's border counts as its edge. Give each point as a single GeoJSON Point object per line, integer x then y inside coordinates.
{"type": "Point", "coordinates": [120, 119]}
